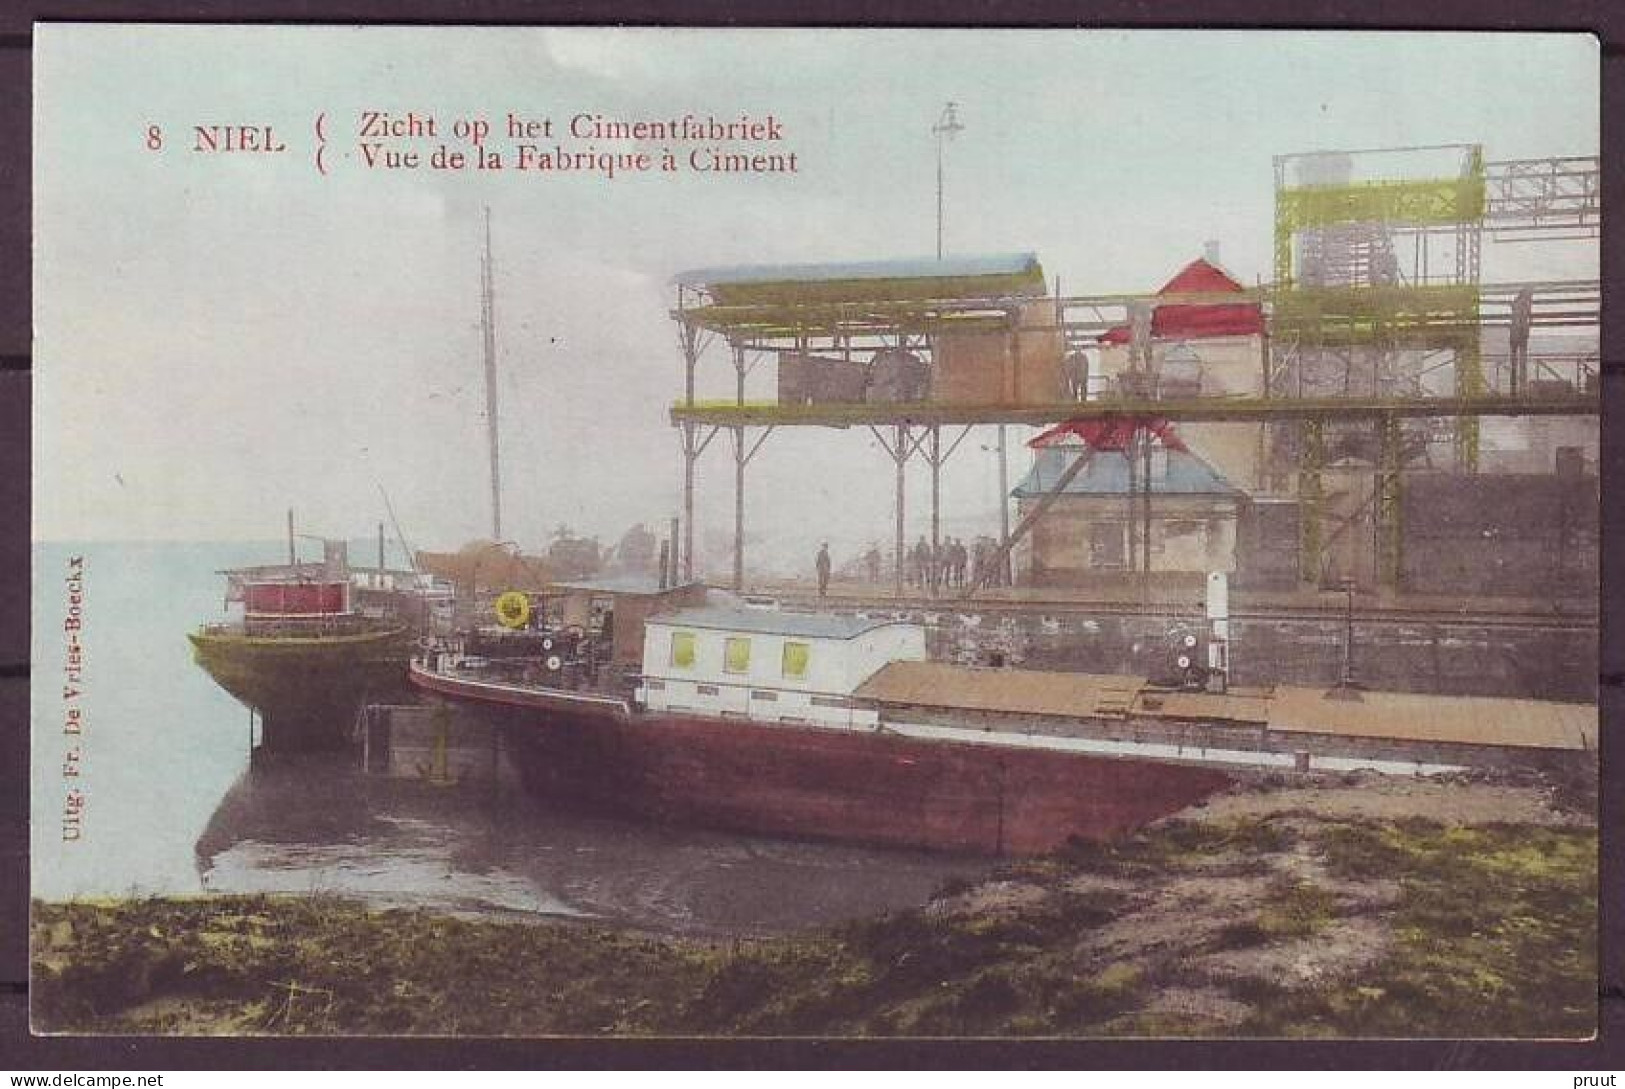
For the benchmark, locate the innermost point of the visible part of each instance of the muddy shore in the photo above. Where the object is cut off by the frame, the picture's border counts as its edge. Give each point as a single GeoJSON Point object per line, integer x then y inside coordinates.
{"type": "Point", "coordinates": [1364, 907]}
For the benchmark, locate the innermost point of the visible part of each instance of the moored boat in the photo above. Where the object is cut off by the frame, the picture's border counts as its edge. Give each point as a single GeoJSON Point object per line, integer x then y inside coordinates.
{"type": "Point", "coordinates": [746, 717]}
{"type": "Point", "coordinates": [313, 642]}
{"type": "Point", "coordinates": [749, 716]}
{"type": "Point", "coordinates": [306, 687]}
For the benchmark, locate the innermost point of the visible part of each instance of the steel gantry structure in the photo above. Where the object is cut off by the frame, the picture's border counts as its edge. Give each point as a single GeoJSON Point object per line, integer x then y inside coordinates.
{"type": "Point", "coordinates": [1377, 289]}
{"type": "Point", "coordinates": [887, 311]}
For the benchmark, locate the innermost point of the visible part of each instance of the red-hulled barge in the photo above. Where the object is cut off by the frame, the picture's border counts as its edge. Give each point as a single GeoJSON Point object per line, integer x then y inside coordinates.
{"type": "Point", "coordinates": [745, 718]}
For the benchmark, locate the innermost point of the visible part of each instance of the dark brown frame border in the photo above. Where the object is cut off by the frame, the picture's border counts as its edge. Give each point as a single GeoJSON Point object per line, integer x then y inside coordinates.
{"type": "Point", "coordinates": [19, 1051]}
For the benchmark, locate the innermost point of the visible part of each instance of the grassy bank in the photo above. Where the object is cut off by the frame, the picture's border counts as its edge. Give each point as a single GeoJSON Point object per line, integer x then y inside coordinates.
{"type": "Point", "coordinates": [1257, 922]}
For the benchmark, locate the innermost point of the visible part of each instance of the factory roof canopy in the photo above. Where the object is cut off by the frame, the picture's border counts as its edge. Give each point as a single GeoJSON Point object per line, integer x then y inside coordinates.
{"type": "Point", "coordinates": [977, 277]}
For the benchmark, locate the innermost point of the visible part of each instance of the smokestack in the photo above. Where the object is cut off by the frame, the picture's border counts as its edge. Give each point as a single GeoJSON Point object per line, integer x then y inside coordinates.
{"type": "Point", "coordinates": [380, 551]}
{"type": "Point", "coordinates": [292, 556]}
{"type": "Point", "coordinates": [1210, 252]}
{"type": "Point", "coordinates": [665, 563]}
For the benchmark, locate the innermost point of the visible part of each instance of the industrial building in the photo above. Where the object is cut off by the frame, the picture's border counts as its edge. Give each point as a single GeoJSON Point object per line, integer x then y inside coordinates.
{"type": "Point", "coordinates": [1377, 420]}
{"type": "Point", "coordinates": [1091, 530]}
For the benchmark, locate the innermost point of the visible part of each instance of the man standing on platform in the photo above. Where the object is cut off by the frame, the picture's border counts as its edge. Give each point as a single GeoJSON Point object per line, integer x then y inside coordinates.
{"type": "Point", "coordinates": [1523, 311]}
{"type": "Point", "coordinates": [822, 564]}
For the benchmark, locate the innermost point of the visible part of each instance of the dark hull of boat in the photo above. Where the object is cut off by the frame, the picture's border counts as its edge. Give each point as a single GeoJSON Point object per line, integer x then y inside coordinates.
{"type": "Point", "coordinates": [307, 691]}
{"type": "Point", "coordinates": [860, 786]}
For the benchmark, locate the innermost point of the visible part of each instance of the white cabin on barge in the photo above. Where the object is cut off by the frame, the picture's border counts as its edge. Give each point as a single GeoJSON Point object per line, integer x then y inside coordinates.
{"type": "Point", "coordinates": [768, 665]}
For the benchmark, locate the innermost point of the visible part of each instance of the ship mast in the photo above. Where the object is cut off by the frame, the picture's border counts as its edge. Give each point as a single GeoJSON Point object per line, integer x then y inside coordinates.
{"type": "Point", "coordinates": [488, 328]}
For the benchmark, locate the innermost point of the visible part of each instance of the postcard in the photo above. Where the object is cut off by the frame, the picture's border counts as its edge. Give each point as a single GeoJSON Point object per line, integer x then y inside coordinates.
{"type": "Point", "coordinates": [825, 533]}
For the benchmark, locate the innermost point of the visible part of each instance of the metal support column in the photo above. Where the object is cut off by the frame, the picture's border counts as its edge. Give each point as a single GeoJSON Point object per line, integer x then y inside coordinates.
{"type": "Point", "coordinates": [1004, 507]}
{"type": "Point", "coordinates": [935, 458]}
{"type": "Point", "coordinates": [693, 447]}
{"type": "Point", "coordinates": [740, 457]}
{"type": "Point", "coordinates": [687, 546]}
{"type": "Point", "coordinates": [1146, 442]}
{"type": "Point", "coordinates": [1266, 387]}
{"type": "Point", "coordinates": [1469, 361]}
{"type": "Point", "coordinates": [1469, 384]}
{"type": "Point", "coordinates": [688, 335]}
{"type": "Point", "coordinates": [1130, 499]}
{"type": "Point", "coordinates": [900, 456]}
{"type": "Point", "coordinates": [898, 448]}
{"type": "Point", "coordinates": [1311, 498]}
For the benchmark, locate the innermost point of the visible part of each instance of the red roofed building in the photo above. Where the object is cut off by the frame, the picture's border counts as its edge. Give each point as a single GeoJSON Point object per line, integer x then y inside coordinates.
{"type": "Point", "coordinates": [1198, 321]}
{"type": "Point", "coordinates": [1203, 476]}
{"type": "Point", "coordinates": [1196, 350]}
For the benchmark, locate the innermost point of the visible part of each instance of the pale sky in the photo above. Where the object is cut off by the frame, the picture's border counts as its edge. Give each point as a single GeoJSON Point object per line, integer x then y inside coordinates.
{"type": "Point", "coordinates": [222, 337]}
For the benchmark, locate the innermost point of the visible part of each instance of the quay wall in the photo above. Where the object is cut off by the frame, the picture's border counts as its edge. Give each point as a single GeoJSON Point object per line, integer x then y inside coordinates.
{"type": "Point", "coordinates": [1443, 656]}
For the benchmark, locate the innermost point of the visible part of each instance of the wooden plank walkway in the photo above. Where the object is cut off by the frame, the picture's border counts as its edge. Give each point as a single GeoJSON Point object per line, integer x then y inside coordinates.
{"type": "Point", "coordinates": [1373, 715]}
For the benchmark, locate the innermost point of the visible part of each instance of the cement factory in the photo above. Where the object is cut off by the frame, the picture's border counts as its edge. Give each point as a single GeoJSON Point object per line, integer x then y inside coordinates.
{"type": "Point", "coordinates": [1391, 462]}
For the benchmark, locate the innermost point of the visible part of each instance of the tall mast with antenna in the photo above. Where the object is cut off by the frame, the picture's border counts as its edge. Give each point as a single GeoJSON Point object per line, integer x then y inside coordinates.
{"type": "Point", "coordinates": [945, 129]}
{"type": "Point", "coordinates": [489, 328]}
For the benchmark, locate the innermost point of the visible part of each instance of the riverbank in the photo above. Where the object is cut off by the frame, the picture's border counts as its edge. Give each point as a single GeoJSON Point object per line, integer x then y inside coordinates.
{"type": "Point", "coordinates": [1359, 908]}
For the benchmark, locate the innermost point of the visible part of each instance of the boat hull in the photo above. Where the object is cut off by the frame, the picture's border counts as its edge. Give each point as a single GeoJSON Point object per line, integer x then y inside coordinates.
{"type": "Point", "coordinates": [306, 691]}
{"type": "Point", "coordinates": [860, 786]}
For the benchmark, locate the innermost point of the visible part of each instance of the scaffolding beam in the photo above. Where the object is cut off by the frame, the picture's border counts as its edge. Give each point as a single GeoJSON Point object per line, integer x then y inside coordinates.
{"type": "Point", "coordinates": [1556, 194]}
{"type": "Point", "coordinates": [1187, 409]}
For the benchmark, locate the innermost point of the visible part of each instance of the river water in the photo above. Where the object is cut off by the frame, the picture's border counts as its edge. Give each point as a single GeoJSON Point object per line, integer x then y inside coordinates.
{"type": "Point", "coordinates": [170, 802]}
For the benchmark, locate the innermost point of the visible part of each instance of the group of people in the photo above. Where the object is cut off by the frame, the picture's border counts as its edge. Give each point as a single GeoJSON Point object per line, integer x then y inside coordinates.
{"type": "Point", "coordinates": [948, 564]}
{"type": "Point", "coordinates": [935, 566]}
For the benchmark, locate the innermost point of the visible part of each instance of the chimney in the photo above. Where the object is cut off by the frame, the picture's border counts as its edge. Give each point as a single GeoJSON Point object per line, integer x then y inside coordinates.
{"type": "Point", "coordinates": [1210, 252]}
